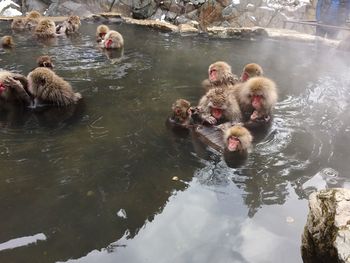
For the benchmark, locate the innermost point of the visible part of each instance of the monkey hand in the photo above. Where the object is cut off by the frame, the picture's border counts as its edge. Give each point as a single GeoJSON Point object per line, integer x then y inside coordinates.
{"type": "Point", "coordinates": [10, 82]}
{"type": "Point", "coordinates": [211, 120]}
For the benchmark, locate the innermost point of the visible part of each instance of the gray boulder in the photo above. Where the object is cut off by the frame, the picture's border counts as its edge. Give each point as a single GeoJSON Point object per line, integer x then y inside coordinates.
{"type": "Point", "coordinates": [326, 236]}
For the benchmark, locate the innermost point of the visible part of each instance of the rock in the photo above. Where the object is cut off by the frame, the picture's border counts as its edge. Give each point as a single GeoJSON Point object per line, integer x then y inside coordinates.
{"type": "Point", "coordinates": [326, 236]}
{"type": "Point", "coordinates": [187, 29]}
{"type": "Point", "coordinates": [234, 32]}
{"type": "Point", "coordinates": [230, 12]}
{"type": "Point", "coordinates": [163, 26]}
{"type": "Point", "coordinates": [143, 9]}
{"type": "Point", "coordinates": [197, 2]}
{"type": "Point", "coordinates": [37, 5]}
{"type": "Point", "coordinates": [189, 7]}
{"type": "Point", "coordinates": [159, 15]}
{"type": "Point", "coordinates": [177, 9]}
{"type": "Point", "coordinates": [193, 15]}
{"type": "Point", "coordinates": [247, 20]}
{"type": "Point", "coordinates": [250, 7]}
{"type": "Point", "coordinates": [224, 3]}
{"type": "Point", "coordinates": [210, 12]}
{"type": "Point", "coordinates": [170, 16]}
{"type": "Point", "coordinates": [182, 20]}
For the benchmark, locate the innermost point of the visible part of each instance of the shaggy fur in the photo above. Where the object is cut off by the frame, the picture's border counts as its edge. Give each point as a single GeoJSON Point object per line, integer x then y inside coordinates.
{"type": "Point", "coordinates": [225, 77]}
{"type": "Point", "coordinates": [7, 42]}
{"type": "Point", "coordinates": [113, 39]}
{"type": "Point", "coordinates": [242, 134]}
{"type": "Point", "coordinates": [46, 86]}
{"type": "Point", "coordinates": [46, 28]}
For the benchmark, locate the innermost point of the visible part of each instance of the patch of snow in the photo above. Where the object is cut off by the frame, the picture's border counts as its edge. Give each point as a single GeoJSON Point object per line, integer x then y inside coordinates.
{"type": "Point", "coordinates": [12, 12]}
{"type": "Point", "coordinates": [7, 8]}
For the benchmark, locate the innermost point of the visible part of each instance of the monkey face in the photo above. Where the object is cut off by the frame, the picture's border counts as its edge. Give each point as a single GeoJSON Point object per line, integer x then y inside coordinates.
{"type": "Point", "coordinates": [2, 88]}
{"type": "Point", "coordinates": [245, 76]}
{"type": "Point", "coordinates": [213, 74]}
{"type": "Point", "coordinates": [233, 144]}
{"type": "Point", "coordinates": [257, 101]}
{"type": "Point", "coordinates": [108, 43]}
{"type": "Point", "coordinates": [217, 113]}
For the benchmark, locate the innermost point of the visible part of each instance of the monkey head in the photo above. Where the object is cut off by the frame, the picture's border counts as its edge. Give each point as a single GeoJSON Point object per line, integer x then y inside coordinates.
{"type": "Point", "coordinates": [181, 110]}
{"type": "Point", "coordinates": [74, 20]}
{"type": "Point", "coordinates": [113, 39]}
{"type": "Point", "coordinates": [101, 31]}
{"type": "Point", "coordinates": [217, 102]}
{"type": "Point", "coordinates": [18, 23]}
{"type": "Point", "coordinates": [260, 93]}
{"type": "Point", "coordinates": [237, 139]}
{"type": "Point", "coordinates": [251, 70]}
{"type": "Point", "coordinates": [7, 42]}
{"type": "Point", "coordinates": [46, 26]}
{"type": "Point", "coordinates": [219, 72]}
{"type": "Point", "coordinates": [45, 61]}
{"type": "Point", "coordinates": [34, 15]}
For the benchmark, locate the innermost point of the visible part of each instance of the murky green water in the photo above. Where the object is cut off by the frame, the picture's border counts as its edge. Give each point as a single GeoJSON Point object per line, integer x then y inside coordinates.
{"type": "Point", "coordinates": [94, 184]}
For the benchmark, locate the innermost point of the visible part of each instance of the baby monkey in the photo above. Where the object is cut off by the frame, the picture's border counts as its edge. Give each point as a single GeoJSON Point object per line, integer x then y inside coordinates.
{"type": "Point", "coordinates": [7, 42]}
{"type": "Point", "coordinates": [251, 70]}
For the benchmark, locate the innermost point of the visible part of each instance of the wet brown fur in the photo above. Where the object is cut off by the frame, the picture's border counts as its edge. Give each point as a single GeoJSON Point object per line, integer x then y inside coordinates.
{"type": "Point", "coordinates": [69, 26]}
{"type": "Point", "coordinates": [101, 31]}
{"type": "Point", "coordinates": [242, 134]}
{"type": "Point", "coordinates": [219, 98]}
{"type": "Point", "coordinates": [256, 86]}
{"type": "Point", "coordinates": [16, 87]}
{"type": "Point", "coordinates": [44, 61]}
{"type": "Point", "coordinates": [225, 76]}
{"type": "Point", "coordinates": [46, 28]}
{"type": "Point", "coordinates": [180, 110]}
{"type": "Point", "coordinates": [116, 37]}
{"type": "Point", "coordinates": [253, 70]}
{"type": "Point", "coordinates": [46, 86]}
{"type": "Point", "coordinates": [7, 42]}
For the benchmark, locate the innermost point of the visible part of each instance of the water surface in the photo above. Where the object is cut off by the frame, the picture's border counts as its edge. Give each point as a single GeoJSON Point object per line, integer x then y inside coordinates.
{"type": "Point", "coordinates": [94, 183]}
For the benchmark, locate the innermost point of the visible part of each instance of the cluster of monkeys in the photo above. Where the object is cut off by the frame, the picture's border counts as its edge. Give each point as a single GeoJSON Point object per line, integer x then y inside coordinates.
{"type": "Point", "coordinates": [237, 107]}
{"type": "Point", "coordinates": [43, 86]}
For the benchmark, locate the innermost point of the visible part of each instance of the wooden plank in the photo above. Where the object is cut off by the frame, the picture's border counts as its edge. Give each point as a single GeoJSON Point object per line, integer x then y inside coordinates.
{"type": "Point", "coordinates": [212, 136]}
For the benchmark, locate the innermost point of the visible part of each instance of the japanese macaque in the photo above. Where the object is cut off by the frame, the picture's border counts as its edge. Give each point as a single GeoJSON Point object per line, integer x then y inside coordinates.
{"type": "Point", "coordinates": [101, 32]}
{"type": "Point", "coordinates": [113, 39]}
{"type": "Point", "coordinates": [256, 98]}
{"type": "Point", "coordinates": [69, 26]}
{"type": "Point", "coordinates": [219, 105]}
{"type": "Point", "coordinates": [18, 23]}
{"type": "Point", "coordinates": [48, 88]}
{"type": "Point", "coordinates": [7, 42]}
{"type": "Point", "coordinates": [251, 70]}
{"type": "Point", "coordinates": [181, 112]}
{"type": "Point", "coordinates": [219, 74]}
{"type": "Point", "coordinates": [13, 88]}
{"type": "Point", "coordinates": [45, 61]}
{"type": "Point", "coordinates": [237, 143]}
{"type": "Point", "coordinates": [34, 14]}
{"type": "Point", "coordinates": [45, 29]}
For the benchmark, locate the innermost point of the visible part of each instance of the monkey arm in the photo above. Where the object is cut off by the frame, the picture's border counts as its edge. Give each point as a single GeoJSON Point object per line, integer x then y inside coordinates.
{"type": "Point", "coordinates": [18, 89]}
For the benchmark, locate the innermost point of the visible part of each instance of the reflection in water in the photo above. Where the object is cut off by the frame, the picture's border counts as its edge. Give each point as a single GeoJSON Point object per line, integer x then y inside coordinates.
{"type": "Point", "coordinates": [96, 179]}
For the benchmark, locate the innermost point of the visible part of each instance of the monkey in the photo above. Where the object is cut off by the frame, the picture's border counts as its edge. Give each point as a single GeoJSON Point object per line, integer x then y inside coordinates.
{"type": "Point", "coordinates": [219, 105]}
{"type": "Point", "coordinates": [251, 70]}
{"type": "Point", "coordinates": [45, 29]}
{"type": "Point", "coordinates": [45, 61]}
{"type": "Point", "coordinates": [219, 74]}
{"type": "Point", "coordinates": [34, 14]}
{"type": "Point", "coordinates": [18, 23]}
{"type": "Point", "coordinates": [101, 31]}
{"type": "Point", "coordinates": [13, 88]}
{"type": "Point", "coordinates": [256, 98]}
{"type": "Point", "coordinates": [237, 145]}
{"type": "Point", "coordinates": [69, 26]}
{"type": "Point", "coordinates": [113, 39]}
{"type": "Point", "coordinates": [7, 42]}
{"type": "Point", "coordinates": [181, 113]}
{"type": "Point", "coordinates": [48, 88]}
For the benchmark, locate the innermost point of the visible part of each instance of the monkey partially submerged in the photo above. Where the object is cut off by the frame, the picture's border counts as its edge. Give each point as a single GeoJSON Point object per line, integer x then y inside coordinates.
{"type": "Point", "coordinates": [69, 26]}
{"type": "Point", "coordinates": [45, 29]}
{"type": "Point", "coordinates": [112, 39]}
{"type": "Point", "coordinates": [219, 75]}
{"type": "Point", "coordinates": [219, 105]}
{"type": "Point", "coordinates": [101, 32]}
{"type": "Point", "coordinates": [48, 88]}
{"type": "Point", "coordinates": [13, 88]}
{"type": "Point", "coordinates": [7, 42]}
{"type": "Point", "coordinates": [257, 98]}
{"type": "Point", "coordinates": [44, 61]}
{"type": "Point", "coordinates": [238, 143]}
{"type": "Point", "coordinates": [251, 70]}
